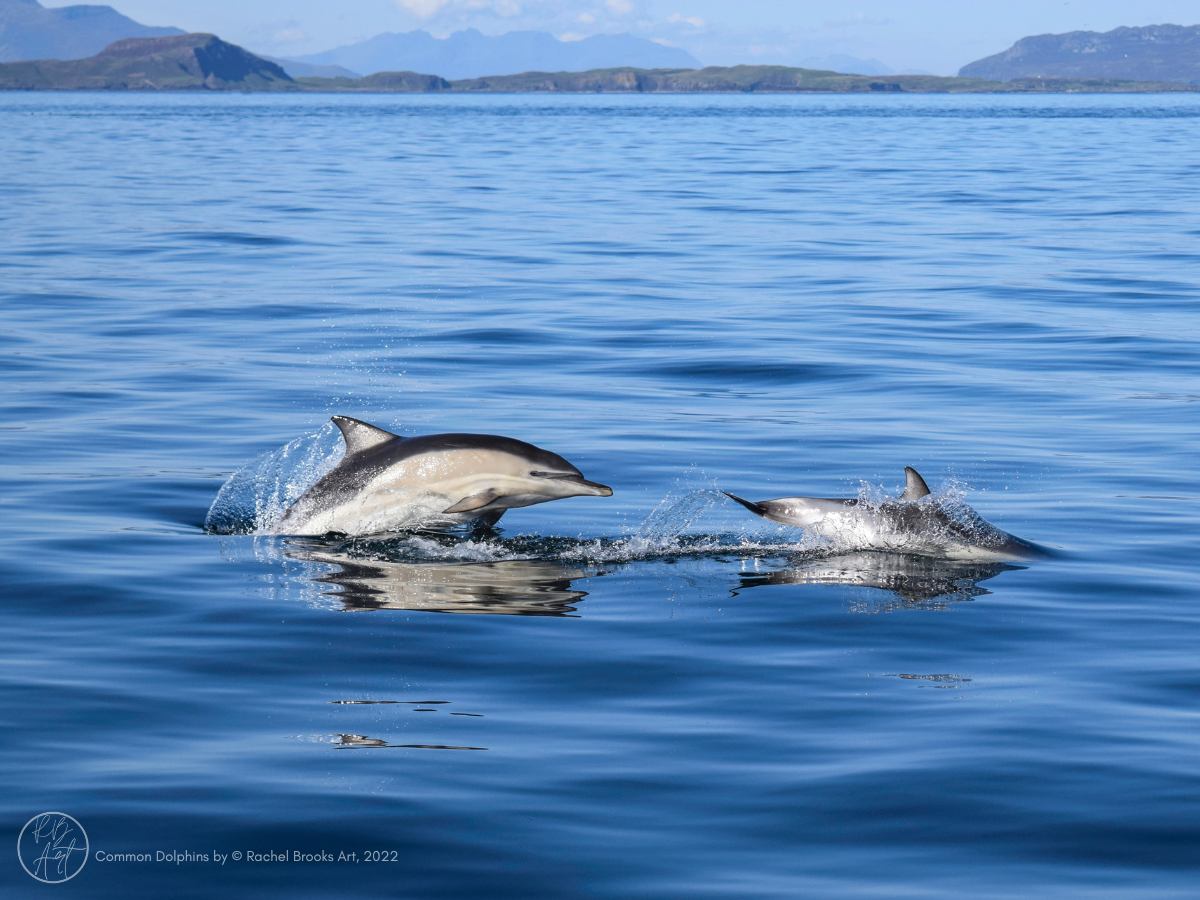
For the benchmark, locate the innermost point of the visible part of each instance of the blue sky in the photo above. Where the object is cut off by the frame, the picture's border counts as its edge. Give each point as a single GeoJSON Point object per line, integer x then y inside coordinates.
{"type": "Point", "coordinates": [935, 35]}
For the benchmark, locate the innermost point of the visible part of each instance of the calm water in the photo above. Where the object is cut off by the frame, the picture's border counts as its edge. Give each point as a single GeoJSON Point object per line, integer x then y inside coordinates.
{"type": "Point", "coordinates": [769, 295]}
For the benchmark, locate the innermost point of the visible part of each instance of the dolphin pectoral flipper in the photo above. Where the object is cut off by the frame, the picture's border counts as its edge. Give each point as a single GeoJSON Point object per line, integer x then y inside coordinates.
{"type": "Point", "coordinates": [488, 519]}
{"type": "Point", "coordinates": [475, 501]}
{"type": "Point", "coordinates": [360, 436]}
{"type": "Point", "coordinates": [914, 485]}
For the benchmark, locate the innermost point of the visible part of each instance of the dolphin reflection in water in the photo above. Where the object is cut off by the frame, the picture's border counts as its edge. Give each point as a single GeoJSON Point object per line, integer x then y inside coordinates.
{"type": "Point", "coordinates": [515, 587]}
{"type": "Point", "coordinates": [915, 522]}
{"type": "Point", "coordinates": [525, 587]}
{"type": "Point", "coordinates": [916, 580]}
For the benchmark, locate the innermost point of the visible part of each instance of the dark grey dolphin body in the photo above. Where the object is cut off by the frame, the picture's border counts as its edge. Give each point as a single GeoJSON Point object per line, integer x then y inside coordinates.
{"type": "Point", "coordinates": [386, 482]}
{"type": "Point", "coordinates": [914, 522]}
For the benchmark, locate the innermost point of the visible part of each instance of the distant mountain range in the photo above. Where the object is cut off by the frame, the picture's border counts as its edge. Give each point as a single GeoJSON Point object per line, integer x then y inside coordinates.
{"type": "Point", "coordinates": [30, 31]}
{"type": "Point", "coordinates": [1152, 53]}
{"type": "Point", "coordinates": [204, 62]}
{"type": "Point", "coordinates": [469, 54]}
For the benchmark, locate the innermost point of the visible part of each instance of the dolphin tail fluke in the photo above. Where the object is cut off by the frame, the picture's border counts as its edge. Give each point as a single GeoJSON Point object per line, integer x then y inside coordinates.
{"type": "Point", "coordinates": [914, 485]}
{"type": "Point", "coordinates": [757, 508]}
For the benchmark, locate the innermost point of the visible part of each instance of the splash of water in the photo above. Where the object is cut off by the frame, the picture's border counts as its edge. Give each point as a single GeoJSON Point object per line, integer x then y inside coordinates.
{"type": "Point", "coordinates": [256, 496]}
{"type": "Point", "coordinates": [662, 535]}
{"type": "Point", "coordinates": [941, 524]}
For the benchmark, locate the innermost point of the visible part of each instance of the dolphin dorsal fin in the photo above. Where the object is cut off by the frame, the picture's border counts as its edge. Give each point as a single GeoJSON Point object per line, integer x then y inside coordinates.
{"type": "Point", "coordinates": [914, 485]}
{"type": "Point", "coordinates": [360, 436]}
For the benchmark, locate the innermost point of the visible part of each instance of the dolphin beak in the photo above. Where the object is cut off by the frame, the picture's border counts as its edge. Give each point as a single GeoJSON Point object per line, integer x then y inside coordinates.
{"type": "Point", "coordinates": [590, 488]}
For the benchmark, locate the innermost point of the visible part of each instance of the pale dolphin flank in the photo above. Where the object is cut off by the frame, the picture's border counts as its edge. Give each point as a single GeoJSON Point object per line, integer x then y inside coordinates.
{"type": "Point", "coordinates": [914, 522]}
{"type": "Point", "coordinates": [386, 482]}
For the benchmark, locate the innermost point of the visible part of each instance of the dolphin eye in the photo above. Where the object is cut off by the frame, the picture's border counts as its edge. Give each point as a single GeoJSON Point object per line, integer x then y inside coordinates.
{"type": "Point", "coordinates": [537, 474]}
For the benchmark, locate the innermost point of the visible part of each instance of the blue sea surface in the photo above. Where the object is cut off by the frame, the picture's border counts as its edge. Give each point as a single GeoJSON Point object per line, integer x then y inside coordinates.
{"type": "Point", "coordinates": [653, 695]}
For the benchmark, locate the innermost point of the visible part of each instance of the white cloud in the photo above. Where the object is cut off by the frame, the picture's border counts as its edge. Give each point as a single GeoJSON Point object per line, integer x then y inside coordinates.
{"type": "Point", "coordinates": [571, 36]}
{"type": "Point", "coordinates": [586, 17]}
{"type": "Point", "coordinates": [429, 9]}
{"type": "Point", "coordinates": [422, 9]}
{"type": "Point", "coordinates": [694, 21]}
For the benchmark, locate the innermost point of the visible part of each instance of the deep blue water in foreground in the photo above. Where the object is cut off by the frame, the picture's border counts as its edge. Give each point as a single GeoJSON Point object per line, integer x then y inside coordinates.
{"type": "Point", "coordinates": [768, 295]}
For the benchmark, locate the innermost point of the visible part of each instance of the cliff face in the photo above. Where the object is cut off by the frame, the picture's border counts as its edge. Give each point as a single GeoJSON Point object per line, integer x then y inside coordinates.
{"type": "Point", "coordinates": [379, 83]}
{"type": "Point", "coordinates": [187, 62]}
{"type": "Point", "coordinates": [778, 79]}
{"type": "Point", "coordinates": [403, 81]}
{"type": "Point", "coordinates": [1153, 53]}
{"type": "Point", "coordinates": [714, 79]}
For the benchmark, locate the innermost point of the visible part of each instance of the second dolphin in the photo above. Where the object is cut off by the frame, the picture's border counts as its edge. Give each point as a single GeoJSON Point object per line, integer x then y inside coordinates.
{"type": "Point", "coordinates": [914, 522]}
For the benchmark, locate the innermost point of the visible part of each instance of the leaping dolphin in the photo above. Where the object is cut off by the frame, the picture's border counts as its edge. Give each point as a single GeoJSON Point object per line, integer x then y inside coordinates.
{"type": "Point", "coordinates": [386, 482]}
{"type": "Point", "coordinates": [914, 522]}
